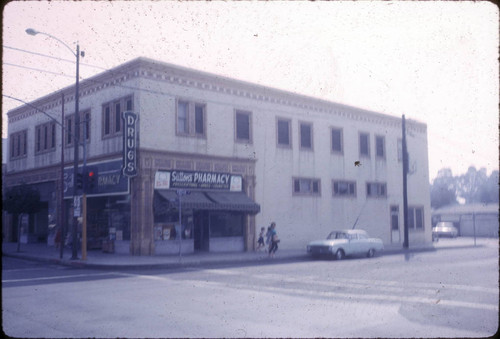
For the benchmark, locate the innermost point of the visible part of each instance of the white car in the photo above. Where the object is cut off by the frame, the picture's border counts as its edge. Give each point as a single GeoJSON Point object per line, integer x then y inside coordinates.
{"type": "Point", "coordinates": [444, 229]}
{"type": "Point", "coordinates": [340, 244]}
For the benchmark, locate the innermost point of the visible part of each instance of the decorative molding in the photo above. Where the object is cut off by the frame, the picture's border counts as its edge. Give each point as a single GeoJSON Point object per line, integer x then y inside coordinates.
{"type": "Point", "coordinates": [178, 75]}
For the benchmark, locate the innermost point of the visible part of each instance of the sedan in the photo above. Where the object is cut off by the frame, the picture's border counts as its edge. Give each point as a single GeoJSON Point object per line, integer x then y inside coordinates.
{"type": "Point", "coordinates": [444, 229]}
{"type": "Point", "coordinates": [340, 244]}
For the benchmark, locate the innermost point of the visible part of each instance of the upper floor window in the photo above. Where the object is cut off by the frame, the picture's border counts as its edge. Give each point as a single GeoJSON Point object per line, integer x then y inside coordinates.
{"type": "Point", "coordinates": [283, 132]}
{"type": "Point", "coordinates": [18, 144]}
{"type": "Point", "coordinates": [45, 137]}
{"type": "Point", "coordinates": [306, 186]}
{"type": "Point", "coordinates": [364, 144]}
{"type": "Point", "coordinates": [380, 146]}
{"type": "Point", "coordinates": [306, 135]}
{"type": "Point", "coordinates": [84, 127]}
{"type": "Point", "coordinates": [376, 190]}
{"type": "Point", "coordinates": [112, 121]}
{"type": "Point", "coordinates": [343, 188]}
{"type": "Point", "coordinates": [400, 150]}
{"type": "Point", "coordinates": [415, 218]}
{"type": "Point", "coordinates": [243, 126]}
{"type": "Point", "coordinates": [191, 118]}
{"type": "Point", "coordinates": [337, 144]}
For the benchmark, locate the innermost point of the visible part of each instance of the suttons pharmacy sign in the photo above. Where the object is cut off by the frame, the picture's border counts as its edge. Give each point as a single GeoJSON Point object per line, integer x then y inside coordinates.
{"type": "Point", "coordinates": [198, 180]}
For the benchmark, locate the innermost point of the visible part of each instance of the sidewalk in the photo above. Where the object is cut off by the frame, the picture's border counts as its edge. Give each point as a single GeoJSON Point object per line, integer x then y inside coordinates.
{"type": "Point", "coordinates": [98, 259]}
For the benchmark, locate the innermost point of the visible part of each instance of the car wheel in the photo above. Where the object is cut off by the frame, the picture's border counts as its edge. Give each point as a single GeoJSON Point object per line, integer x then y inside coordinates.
{"type": "Point", "coordinates": [370, 253]}
{"type": "Point", "coordinates": [339, 255]}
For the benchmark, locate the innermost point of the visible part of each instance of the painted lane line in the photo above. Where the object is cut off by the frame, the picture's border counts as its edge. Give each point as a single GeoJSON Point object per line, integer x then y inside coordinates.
{"type": "Point", "coordinates": [59, 277]}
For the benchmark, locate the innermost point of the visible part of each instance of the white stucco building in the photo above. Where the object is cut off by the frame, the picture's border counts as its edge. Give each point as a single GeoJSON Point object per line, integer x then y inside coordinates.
{"type": "Point", "coordinates": [309, 165]}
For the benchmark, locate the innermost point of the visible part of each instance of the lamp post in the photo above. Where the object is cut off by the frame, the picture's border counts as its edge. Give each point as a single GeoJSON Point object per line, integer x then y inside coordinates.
{"type": "Point", "coordinates": [76, 139]}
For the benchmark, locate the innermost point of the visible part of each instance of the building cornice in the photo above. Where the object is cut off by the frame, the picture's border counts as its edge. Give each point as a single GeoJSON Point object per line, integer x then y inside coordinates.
{"type": "Point", "coordinates": [181, 76]}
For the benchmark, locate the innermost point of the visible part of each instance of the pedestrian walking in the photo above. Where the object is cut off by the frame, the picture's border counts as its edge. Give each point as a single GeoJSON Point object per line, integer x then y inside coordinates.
{"type": "Point", "coordinates": [260, 242]}
{"type": "Point", "coordinates": [274, 241]}
{"type": "Point", "coordinates": [57, 239]}
{"type": "Point", "coordinates": [268, 236]}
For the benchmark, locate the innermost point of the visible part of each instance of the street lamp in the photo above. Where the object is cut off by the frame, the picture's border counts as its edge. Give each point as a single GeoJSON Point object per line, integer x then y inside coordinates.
{"type": "Point", "coordinates": [76, 139]}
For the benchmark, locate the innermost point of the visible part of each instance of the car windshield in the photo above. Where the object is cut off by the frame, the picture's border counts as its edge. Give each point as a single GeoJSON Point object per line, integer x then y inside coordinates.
{"type": "Point", "coordinates": [337, 235]}
{"type": "Point", "coordinates": [444, 224]}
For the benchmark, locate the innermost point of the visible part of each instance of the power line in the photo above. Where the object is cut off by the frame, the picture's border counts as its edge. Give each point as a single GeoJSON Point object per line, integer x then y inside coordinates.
{"type": "Point", "coordinates": [52, 57]}
{"type": "Point", "coordinates": [38, 70]}
{"type": "Point", "coordinates": [91, 80]}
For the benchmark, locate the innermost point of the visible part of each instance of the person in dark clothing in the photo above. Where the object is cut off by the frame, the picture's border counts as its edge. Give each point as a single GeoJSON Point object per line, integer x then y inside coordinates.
{"type": "Point", "coordinates": [273, 247]}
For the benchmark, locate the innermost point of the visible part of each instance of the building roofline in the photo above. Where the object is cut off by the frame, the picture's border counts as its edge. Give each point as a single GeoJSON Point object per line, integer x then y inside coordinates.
{"type": "Point", "coordinates": [196, 75]}
{"type": "Point", "coordinates": [468, 208]}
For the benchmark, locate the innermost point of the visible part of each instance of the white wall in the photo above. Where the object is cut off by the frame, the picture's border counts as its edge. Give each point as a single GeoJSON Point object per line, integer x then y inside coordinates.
{"type": "Point", "coordinates": [299, 219]}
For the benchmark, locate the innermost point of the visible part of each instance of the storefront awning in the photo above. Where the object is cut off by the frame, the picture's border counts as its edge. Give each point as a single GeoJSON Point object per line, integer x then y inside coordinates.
{"type": "Point", "coordinates": [234, 201]}
{"type": "Point", "coordinates": [205, 200]}
{"type": "Point", "coordinates": [195, 200]}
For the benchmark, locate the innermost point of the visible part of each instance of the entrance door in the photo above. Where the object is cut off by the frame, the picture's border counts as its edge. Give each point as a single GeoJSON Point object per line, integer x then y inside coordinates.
{"type": "Point", "coordinates": [201, 231]}
{"type": "Point", "coordinates": [395, 235]}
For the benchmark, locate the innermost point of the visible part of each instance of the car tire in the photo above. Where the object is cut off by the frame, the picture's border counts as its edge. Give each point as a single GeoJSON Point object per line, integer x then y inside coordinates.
{"type": "Point", "coordinates": [339, 255]}
{"type": "Point", "coordinates": [371, 253]}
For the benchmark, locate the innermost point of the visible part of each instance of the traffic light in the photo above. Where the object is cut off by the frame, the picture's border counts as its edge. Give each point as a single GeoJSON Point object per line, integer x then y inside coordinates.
{"type": "Point", "coordinates": [91, 175]}
{"type": "Point", "coordinates": [79, 180]}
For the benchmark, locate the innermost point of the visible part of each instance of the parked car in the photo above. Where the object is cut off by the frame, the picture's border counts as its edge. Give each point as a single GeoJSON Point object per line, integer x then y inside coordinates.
{"type": "Point", "coordinates": [444, 229]}
{"type": "Point", "coordinates": [340, 244]}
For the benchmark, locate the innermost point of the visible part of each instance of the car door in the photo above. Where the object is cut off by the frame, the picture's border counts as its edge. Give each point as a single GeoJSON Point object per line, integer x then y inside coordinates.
{"type": "Point", "coordinates": [353, 244]}
{"type": "Point", "coordinates": [363, 243]}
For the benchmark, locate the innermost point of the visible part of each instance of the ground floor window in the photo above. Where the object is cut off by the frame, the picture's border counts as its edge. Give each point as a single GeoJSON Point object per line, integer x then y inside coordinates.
{"type": "Point", "coordinates": [226, 225]}
{"type": "Point", "coordinates": [415, 218]}
{"type": "Point", "coordinates": [107, 218]}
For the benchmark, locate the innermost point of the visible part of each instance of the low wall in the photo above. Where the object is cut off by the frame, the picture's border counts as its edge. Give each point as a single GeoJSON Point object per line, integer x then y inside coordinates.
{"type": "Point", "coordinates": [227, 244]}
{"type": "Point", "coordinates": [163, 247]}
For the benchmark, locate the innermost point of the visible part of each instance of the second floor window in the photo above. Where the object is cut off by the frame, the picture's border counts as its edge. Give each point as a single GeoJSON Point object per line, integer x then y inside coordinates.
{"type": "Point", "coordinates": [45, 137]}
{"type": "Point", "coordinates": [306, 136]}
{"type": "Point", "coordinates": [191, 118]}
{"type": "Point", "coordinates": [243, 126]}
{"type": "Point", "coordinates": [400, 150]}
{"type": "Point", "coordinates": [306, 186]}
{"type": "Point", "coordinates": [283, 132]}
{"type": "Point", "coordinates": [18, 144]}
{"type": "Point", "coordinates": [112, 121]}
{"type": "Point", "coordinates": [364, 144]}
{"type": "Point", "coordinates": [337, 140]}
{"type": "Point", "coordinates": [84, 127]}
{"type": "Point", "coordinates": [376, 190]}
{"type": "Point", "coordinates": [380, 146]}
{"type": "Point", "coordinates": [344, 188]}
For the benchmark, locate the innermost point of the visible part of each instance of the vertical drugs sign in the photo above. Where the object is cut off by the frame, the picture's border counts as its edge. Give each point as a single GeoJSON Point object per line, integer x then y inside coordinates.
{"type": "Point", "coordinates": [129, 144]}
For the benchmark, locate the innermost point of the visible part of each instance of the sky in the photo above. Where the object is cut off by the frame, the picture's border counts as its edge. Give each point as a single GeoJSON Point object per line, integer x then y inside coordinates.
{"type": "Point", "coordinates": [435, 62]}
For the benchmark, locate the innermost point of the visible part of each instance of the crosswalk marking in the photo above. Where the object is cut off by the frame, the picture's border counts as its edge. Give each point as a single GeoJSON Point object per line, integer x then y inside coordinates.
{"type": "Point", "coordinates": [344, 295]}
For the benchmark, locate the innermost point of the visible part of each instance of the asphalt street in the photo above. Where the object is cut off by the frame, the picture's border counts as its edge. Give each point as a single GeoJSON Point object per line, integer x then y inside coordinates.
{"type": "Point", "coordinates": [445, 293]}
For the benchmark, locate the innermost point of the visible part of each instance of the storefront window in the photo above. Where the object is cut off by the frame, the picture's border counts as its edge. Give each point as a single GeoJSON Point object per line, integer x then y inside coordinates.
{"type": "Point", "coordinates": [110, 222]}
{"type": "Point", "coordinates": [226, 225]}
{"type": "Point", "coordinates": [167, 225]}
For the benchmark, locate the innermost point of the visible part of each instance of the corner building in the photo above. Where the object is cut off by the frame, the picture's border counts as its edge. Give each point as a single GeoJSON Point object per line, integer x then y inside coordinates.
{"type": "Point", "coordinates": [246, 155]}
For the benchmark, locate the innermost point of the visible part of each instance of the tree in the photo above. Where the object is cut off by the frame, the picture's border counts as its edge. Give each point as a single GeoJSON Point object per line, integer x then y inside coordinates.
{"type": "Point", "coordinates": [443, 189]}
{"type": "Point", "coordinates": [469, 184]}
{"type": "Point", "coordinates": [19, 200]}
{"type": "Point", "coordinates": [488, 192]}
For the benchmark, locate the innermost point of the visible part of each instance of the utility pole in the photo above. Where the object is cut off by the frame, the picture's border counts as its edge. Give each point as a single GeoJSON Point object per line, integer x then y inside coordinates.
{"type": "Point", "coordinates": [405, 188]}
{"type": "Point", "coordinates": [63, 222]}
{"type": "Point", "coordinates": [74, 252]}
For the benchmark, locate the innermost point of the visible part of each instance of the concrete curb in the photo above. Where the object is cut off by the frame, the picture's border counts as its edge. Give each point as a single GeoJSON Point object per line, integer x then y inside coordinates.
{"type": "Point", "coordinates": [196, 263]}
{"type": "Point", "coordinates": [201, 261]}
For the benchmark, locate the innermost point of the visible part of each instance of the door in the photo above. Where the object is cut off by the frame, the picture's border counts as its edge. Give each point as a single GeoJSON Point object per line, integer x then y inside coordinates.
{"type": "Point", "coordinates": [395, 229]}
{"type": "Point", "coordinates": [201, 231]}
